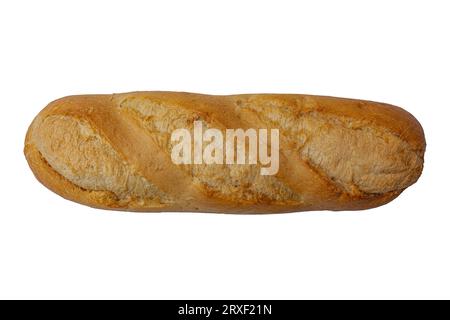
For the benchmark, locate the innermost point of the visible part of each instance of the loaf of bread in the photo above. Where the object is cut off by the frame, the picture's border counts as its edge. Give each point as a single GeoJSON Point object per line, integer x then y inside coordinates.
{"type": "Point", "coordinates": [116, 152]}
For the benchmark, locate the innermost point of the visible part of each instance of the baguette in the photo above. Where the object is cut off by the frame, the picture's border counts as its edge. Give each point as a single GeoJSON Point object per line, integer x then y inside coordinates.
{"type": "Point", "coordinates": [115, 152]}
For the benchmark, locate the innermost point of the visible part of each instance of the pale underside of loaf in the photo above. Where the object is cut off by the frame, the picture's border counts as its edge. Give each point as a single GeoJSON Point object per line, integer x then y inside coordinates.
{"type": "Point", "coordinates": [113, 152]}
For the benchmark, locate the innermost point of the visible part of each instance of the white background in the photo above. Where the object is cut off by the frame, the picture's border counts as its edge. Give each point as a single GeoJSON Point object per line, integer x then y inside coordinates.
{"type": "Point", "coordinates": [390, 51]}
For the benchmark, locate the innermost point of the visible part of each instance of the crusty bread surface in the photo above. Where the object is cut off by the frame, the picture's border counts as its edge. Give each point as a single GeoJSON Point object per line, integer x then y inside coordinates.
{"type": "Point", "coordinates": [114, 152]}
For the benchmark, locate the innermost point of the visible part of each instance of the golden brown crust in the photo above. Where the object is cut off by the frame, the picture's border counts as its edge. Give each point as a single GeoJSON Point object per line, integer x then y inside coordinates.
{"type": "Point", "coordinates": [113, 152]}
